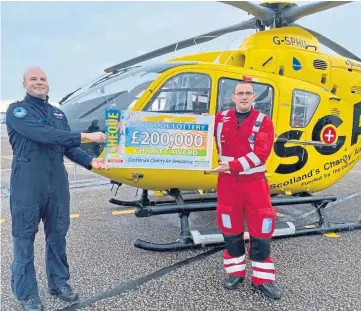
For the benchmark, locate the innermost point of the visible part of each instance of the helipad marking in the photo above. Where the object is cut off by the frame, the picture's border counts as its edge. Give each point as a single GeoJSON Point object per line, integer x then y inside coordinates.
{"type": "Point", "coordinates": [124, 212]}
{"type": "Point", "coordinates": [331, 235]}
{"type": "Point", "coordinates": [74, 216]}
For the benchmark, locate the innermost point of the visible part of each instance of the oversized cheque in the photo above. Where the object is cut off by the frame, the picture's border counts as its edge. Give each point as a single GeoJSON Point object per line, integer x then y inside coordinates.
{"type": "Point", "coordinates": [157, 140]}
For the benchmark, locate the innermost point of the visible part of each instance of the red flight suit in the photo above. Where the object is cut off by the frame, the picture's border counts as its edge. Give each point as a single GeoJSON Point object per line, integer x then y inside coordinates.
{"type": "Point", "coordinates": [244, 190]}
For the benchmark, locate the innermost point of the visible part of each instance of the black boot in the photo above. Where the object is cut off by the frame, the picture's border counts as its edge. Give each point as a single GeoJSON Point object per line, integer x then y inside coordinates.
{"type": "Point", "coordinates": [232, 281]}
{"type": "Point", "coordinates": [270, 290]}
{"type": "Point", "coordinates": [32, 304]}
{"type": "Point", "coordinates": [65, 293]}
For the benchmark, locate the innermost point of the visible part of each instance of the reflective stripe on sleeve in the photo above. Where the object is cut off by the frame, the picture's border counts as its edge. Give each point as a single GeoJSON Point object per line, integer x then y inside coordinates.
{"type": "Point", "coordinates": [244, 163]}
{"type": "Point", "coordinates": [256, 161]}
{"type": "Point", "coordinates": [225, 158]}
{"type": "Point", "coordinates": [257, 169]}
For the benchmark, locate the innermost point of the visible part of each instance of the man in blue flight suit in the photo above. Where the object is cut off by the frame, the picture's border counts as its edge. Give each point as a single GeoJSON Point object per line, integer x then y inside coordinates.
{"type": "Point", "coordinates": [40, 136]}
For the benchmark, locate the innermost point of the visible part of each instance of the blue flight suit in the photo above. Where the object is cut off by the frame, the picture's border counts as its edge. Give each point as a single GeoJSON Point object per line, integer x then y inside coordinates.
{"type": "Point", "coordinates": [39, 189]}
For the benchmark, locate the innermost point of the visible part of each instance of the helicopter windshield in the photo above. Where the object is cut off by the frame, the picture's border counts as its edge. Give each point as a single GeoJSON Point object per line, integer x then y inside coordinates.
{"type": "Point", "coordinates": [123, 88]}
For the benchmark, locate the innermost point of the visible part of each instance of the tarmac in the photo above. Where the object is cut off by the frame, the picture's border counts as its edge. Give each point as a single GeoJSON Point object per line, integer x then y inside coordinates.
{"type": "Point", "coordinates": [315, 272]}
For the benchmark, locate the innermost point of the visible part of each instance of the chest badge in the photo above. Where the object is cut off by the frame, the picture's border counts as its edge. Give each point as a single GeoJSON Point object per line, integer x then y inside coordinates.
{"type": "Point", "coordinates": [252, 139]}
{"type": "Point", "coordinates": [58, 115]}
{"type": "Point", "coordinates": [20, 112]}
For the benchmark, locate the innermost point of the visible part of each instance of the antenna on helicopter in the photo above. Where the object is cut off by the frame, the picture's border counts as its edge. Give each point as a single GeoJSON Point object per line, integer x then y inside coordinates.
{"type": "Point", "coordinates": [195, 43]}
{"type": "Point", "coordinates": [175, 49]}
{"type": "Point", "coordinates": [195, 38]}
{"type": "Point", "coordinates": [273, 15]}
{"type": "Point", "coordinates": [216, 61]}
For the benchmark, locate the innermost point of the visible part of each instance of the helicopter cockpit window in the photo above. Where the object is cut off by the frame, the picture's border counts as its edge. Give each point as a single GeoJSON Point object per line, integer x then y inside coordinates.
{"type": "Point", "coordinates": [263, 101]}
{"type": "Point", "coordinates": [183, 93]}
{"type": "Point", "coordinates": [304, 105]}
{"type": "Point", "coordinates": [121, 93]}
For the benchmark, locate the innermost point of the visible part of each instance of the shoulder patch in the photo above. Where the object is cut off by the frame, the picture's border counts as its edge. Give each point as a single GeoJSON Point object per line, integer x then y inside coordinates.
{"type": "Point", "coordinates": [57, 114]}
{"type": "Point", "coordinates": [20, 112]}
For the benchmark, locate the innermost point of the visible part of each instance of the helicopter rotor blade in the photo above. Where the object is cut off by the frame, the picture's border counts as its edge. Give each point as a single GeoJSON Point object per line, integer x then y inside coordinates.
{"type": "Point", "coordinates": [330, 44]}
{"type": "Point", "coordinates": [260, 12]}
{"type": "Point", "coordinates": [249, 24]}
{"type": "Point", "coordinates": [291, 14]}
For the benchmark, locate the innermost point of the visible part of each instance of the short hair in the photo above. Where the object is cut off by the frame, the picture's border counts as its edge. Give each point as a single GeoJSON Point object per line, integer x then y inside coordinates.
{"type": "Point", "coordinates": [243, 82]}
{"type": "Point", "coordinates": [28, 69]}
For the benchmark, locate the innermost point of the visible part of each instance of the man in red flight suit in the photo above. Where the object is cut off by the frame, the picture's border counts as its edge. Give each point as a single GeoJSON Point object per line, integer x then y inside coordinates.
{"type": "Point", "coordinates": [244, 139]}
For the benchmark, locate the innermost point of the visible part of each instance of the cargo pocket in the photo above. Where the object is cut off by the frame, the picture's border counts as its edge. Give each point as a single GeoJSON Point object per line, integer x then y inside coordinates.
{"type": "Point", "coordinates": [224, 217]}
{"type": "Point", "coordinates": [22, 277]}
{"type": "Point", "coordinates": [17, 163]}
{"type": "Point", "coordinates": [25, 221]}
{"type": "Point", "coordinates": [22, 159]}
{"type": "Point", "coordinates": [18, 268]}
{"type": "Point", "coordinates": [266, 223]}
{"type": "Point", "coordinates": [229, 219]}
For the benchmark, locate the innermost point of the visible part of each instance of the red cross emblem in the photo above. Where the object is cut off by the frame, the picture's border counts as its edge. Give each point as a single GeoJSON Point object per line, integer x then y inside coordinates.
{"type": "Point", "coordinates": [329, 135]}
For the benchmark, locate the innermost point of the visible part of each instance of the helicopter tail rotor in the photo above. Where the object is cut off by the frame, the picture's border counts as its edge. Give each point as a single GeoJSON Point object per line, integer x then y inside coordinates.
{"type": "Point", "coordinates": [330, 44]}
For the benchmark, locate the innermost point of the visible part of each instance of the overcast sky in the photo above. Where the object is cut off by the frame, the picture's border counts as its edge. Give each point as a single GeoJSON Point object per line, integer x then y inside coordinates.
{"type": "Point", "coordinates": [75, 41]}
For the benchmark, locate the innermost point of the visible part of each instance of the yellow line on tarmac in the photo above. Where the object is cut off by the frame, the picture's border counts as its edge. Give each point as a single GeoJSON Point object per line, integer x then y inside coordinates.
{"type": "Point", "coordinates": [74, 215]}
{"type": "Point", "coordinates": [280, 214]}
{"type": "Point", "coordinates": [5, 169]}
{"type": "Point", "coordinates": [331, 235]}
{"type": "Point", "coordinates": [2, 220]}
{"type": "Point", "coordinates": [124, 212]}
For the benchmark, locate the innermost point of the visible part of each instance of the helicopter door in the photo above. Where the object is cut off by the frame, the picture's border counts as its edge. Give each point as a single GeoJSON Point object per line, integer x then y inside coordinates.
{"type": "Point", "coordinates": [266, 92]}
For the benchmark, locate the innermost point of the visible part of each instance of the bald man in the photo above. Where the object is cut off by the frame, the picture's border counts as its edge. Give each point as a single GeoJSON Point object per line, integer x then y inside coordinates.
{"type": "Point", "coordinates": [40, 136]}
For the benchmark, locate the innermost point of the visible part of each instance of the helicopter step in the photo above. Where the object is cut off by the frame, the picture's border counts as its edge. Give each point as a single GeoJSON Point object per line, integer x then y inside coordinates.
{"type": "Point", "coordinates": [214, 236]}
{"type": "Point", "coordinates": [199, 238]}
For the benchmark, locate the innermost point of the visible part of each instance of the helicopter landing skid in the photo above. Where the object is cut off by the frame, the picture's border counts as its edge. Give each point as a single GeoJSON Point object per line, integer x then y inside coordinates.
{"type": "Point", "coordinates": [184, 241]}
{"type": "Point", "coordinates": [144, 200]}
{"type": "Point", "coordinates": [213, 237]}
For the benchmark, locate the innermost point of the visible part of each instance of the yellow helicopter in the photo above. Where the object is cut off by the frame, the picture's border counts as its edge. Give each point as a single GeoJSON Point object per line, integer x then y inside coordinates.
{"type": "Point", "coordinates": [314, 100]}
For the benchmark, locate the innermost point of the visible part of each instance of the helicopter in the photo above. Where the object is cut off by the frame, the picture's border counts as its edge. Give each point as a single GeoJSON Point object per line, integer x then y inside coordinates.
{"type": "Point", "coordinates": [313, 99]}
